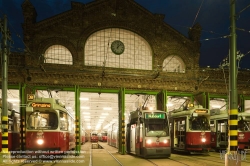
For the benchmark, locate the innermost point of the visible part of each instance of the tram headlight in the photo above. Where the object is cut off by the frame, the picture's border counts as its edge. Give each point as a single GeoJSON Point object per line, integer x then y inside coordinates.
{"type": "Point", "coordinates": [165, 141]}
{"type": "Point", "coordinates": [149, 141]}
{"type": "Point", "coordinates": [203, 139]}
{"type": "Point", "coordinates": [40, 141]}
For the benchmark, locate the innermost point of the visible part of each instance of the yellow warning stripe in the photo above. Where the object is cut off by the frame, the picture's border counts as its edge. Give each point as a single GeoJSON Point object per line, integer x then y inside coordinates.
{"type": "Point", "coordinates": [233, 142]}
{"type": "Point", "coordinates": [233, 132]}
{"type": "Point", "coordinates": [233, 122]}
{"type": "Point", "coordinates": [233, 112]}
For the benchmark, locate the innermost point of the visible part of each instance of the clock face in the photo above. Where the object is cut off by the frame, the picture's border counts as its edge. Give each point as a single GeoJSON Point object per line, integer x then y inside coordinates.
{"type": "Point", "coordinates": [117, 47]}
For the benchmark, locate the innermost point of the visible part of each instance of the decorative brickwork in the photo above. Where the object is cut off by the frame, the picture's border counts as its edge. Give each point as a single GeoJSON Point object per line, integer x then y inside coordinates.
{"type": "Point", "coordinates": [72, 28]}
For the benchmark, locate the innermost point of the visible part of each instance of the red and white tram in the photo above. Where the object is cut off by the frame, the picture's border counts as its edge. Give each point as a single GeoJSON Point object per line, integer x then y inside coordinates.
{"type": "Point", "coordinates": [113, 135]}
{"type": "Point", "coordinates": [219, 130]}
{"type": "Point", "coordinates": [102, 136]}
{"type": "Point", "coordinates": [13, 128]}
{"type": "Point", "coordinates": [190, 130]}
{"type": "Point", "coordinates": [148, 134]}
{"type": "Point", "coordinates": [84, 136]}
{"type": "Point", "coordinates": [49, 126]}
{"type": "Point", "coordinates": [93, 137]}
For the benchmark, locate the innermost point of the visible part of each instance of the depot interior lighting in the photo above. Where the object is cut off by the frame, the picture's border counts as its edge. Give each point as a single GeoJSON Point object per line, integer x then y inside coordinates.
{"type": "Point", "coordinates": [13, 100]}
{"type": "Point", "coordinates": [85, 108]}
{"type": "Point", "coordinates": [85, 113]}
{"type": "Point", "coordinates": [169, 104]}
{"type": "Point", "coordinates": [107, 108]}
{"type": "Point", "coordinates": [84, 98]}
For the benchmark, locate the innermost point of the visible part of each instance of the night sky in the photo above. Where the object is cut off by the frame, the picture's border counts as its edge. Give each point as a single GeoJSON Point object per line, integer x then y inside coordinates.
{"type": "Point", "coordinates": [212, 15]}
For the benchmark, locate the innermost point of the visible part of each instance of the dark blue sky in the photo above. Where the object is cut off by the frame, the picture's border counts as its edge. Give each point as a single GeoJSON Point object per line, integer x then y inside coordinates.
{"type": "Point", "coordinates": [213, 15]}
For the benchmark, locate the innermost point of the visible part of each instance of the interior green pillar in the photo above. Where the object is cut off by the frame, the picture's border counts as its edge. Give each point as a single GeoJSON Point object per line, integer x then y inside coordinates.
{"type": "Point", "coordinates": [77, 121]}
{"type": "Point", "coordinates": [161, 101]}
{"type": "Point", "coordinates": [122, 121]}
{"type": "Point", "coordinates": [22, 96]}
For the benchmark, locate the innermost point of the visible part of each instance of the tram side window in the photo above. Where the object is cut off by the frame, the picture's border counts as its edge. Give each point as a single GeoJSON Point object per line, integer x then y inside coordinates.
{"type": "Point", "coordinates": [13, 121]}
{"type": "Point", "coordinates": [71, 126]}
{"type": "Point", "coordinates": [243, 125]}
{"type": "Point", "coordinates": [181, 125]}
{"type": "Point", "coordinates": [212, 126]}
{"type": "Point", "coordinates": [222, 126]}
{"type": "Point", "coordinates": [63, 121]}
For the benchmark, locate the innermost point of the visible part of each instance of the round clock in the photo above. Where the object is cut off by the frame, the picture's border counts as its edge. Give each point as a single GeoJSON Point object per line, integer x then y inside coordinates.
{"type": "Point", "coordinates": [117, 47]}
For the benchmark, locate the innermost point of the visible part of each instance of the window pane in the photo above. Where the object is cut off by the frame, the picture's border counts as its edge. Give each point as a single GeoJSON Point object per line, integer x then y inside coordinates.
{"type": "Point", "coordinates": [137, 53]}
{"type": "Point", "coordinates": [173, 64]}
{"type": "Point", "coordinates": [58, 54]}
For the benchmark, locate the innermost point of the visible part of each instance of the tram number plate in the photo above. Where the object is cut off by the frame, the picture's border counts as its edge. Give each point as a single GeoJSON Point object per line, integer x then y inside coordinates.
{"type": "Point", "coordinates": [159, 151]}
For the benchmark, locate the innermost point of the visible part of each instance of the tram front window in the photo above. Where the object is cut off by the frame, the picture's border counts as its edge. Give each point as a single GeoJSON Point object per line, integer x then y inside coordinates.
{"type": "Point", "coordinates": [157, 127]}
{"type": "Point", "coordinates": [199, 123]}
{"type": "Point", "coordinates": [42, 120]}
{"type": "Point", "coordinates": [244, 125]}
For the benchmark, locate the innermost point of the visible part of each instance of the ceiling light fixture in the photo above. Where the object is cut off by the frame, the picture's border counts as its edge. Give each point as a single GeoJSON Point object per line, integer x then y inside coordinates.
{"type": "Point", "coordinates": [85, 108]}
{"type": "Point", "coordinates": [13, 100]}
{"type": "Point", "coordinates": [107, 108]}
{"type": "Point", "coordinates": [84, 98]}
{"type": "Point", "coordinates": [105, 113]}
{"type": "Point", "coordinates": [85, 113]}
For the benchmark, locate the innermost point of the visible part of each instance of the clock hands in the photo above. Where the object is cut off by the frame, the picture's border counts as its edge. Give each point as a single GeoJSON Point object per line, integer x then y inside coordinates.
{"type": "Point", "coordinates": [117, 47]}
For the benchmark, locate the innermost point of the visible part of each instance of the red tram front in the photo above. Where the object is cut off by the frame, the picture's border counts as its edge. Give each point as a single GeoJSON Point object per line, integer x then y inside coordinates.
{"type": "Point", "coordinates": [102, 136]}
{"type": "Point", "coordinates": [13, 128]}
{"type": "Point", "coordinates": [50, 127]}
{"type": "Point", "coordinates": [219, 130]}
{"type": "Point", "coordinates": [147, 134]}
{"type": "Point", "coordinates": [190, 130]}
{"type": "Point", "coordinates": [93, 137]}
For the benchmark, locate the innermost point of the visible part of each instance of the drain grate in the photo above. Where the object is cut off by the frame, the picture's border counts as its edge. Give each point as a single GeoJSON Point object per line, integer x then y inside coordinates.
{"type": "Point", "coordinates": [96, 146]}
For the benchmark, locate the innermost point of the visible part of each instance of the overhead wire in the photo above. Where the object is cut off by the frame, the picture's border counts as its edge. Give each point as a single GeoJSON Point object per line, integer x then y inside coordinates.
{"type": "Point", "coordinates": [243, 9]}
{"type": "Point", "coordinates": [16, 33]}
{"type": "Point", "coordinates": [197, 12]}
{"type": "Point", "coordinates": [26, 48]}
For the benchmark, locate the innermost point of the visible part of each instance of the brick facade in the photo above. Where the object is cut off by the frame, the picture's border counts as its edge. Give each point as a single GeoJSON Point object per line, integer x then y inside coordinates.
{"type": "Point", "coordinates": [72, 28]}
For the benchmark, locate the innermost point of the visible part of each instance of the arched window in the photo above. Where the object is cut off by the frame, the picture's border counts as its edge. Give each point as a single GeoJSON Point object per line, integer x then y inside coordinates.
{"type": "Point", "coordinates": [135, 54]}
{"type": "Point", "coordinates": [173, 64]}
{"type": "Point", "coordinates": [58, 54]}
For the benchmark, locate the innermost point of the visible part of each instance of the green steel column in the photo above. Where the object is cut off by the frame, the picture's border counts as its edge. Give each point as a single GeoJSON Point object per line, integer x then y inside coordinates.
{"type": "Point", "coordinates": [4, 87]}
{"type": "Point", "coordinates": [77, 120]}
{"type": "Point", "coordinates": [165, 100]}
{"type": "Point", "coordinates": [232, 153]}
{"type": "Point", "coordinates": [204, 99]}
{"type": "Point", "coordinates": [122, 122]}
{"type": "Point", "coordinates": [22, 117]}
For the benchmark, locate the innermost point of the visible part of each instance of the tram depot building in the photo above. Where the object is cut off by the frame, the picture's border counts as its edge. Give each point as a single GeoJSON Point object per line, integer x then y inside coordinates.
{"type": "Point", "coordinates": [114, 45]}
{"type": "Point", "coordinates": [74, 48]}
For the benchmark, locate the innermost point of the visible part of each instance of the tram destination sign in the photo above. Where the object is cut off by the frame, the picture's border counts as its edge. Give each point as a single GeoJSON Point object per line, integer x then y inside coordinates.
{"type": "Point", "coordinates": [41, 105]}
{"type": "Point", "coordinates": [154, 116]}
{"type": "Point", "coordinates": [201, 111]}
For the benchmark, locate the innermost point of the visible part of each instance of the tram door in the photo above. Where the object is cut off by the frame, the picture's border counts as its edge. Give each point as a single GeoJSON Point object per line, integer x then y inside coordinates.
{"type": "Point", "coordinates": [132, 138]}
{"type": "Point", "coordinates": [222, 133]}
{"type": "Point", "coordinates": [179, 133]}
{"type": "Point", "coordinates": [213, 134]}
